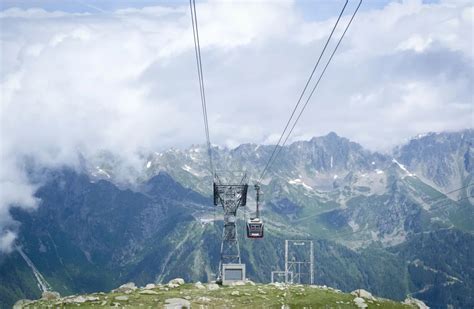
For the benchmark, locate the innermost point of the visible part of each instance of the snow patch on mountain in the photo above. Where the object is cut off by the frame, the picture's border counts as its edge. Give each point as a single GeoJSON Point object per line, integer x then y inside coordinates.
{"type": "Point", "coordinates": [300, 182]}
{"type": "Point", "coordinates": [101, 171]}
{"type": "Point", "coordinates": [403, 168]}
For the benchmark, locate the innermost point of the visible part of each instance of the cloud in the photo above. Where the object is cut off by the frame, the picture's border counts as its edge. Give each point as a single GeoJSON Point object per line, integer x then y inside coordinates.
{"type": "Point", "coordinates": [125, 81]}
{"type": "Point", "coordinates": [7, 240]}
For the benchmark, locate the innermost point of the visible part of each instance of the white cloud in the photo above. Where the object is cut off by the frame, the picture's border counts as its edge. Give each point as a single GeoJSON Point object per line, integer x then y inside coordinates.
{"type": "Point", "coordinates": [125, 81]}
{"type": "Point", "coordinates": [7, 240]}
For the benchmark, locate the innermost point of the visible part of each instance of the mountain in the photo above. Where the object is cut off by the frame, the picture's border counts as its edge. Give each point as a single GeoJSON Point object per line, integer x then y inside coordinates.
{"type": "Point", "coordinates": [377, 220]}
{"type": "Point", "coordinates": [339, 188]}
{"type": "Point", "coordinates": [445, 160]}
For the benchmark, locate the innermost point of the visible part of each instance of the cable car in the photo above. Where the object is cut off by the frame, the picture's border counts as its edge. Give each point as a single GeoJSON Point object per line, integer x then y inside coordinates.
{"type": "Point", "coordinates": [254, 228]}
{"type": "Point", "coordinates": [255, 225]}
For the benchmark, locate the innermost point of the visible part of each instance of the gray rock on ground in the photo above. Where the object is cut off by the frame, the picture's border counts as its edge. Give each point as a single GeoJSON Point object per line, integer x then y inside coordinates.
{"type": "Point", "coordinates": [121, 298]}
{"type": "Point", "coordinates": [360, 302]}
{"type": "Point", "coordinates": [415, 302]}
{"type": "Point", "coordinates": [363, 293]}
{"type": "Point", "coordinates": [177, 303]}
{"type": "Point", "coordinates": [204, 299]}
{"type": "Point", "coordinates": [150, 286]}
{"type": "Point", "coordinates": [124, 288]}
{"type": "Point", "coordinates": [178, 281]}
{"type": "Point", "coordinates": [199, 285]}
{"type": "Point", "coordinates": [213, 286]}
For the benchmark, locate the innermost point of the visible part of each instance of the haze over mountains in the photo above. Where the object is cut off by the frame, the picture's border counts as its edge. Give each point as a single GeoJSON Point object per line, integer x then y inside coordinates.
{"type": "Point", "coordinates": [394, 224]}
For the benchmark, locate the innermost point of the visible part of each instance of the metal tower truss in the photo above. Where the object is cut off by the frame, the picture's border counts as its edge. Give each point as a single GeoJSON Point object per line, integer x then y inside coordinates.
{"type": "Point", "coordinates": [299, 261]}
{"type": "Point", "coordinates": [230, 191]}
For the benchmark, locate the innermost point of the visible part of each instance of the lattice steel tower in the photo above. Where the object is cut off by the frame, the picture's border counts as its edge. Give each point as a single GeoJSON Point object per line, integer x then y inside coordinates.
{"type": "Point", "coordinates": [230, 191]}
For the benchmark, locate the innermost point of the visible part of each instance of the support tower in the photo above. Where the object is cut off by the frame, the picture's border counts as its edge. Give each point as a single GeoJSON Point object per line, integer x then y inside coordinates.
{"type": "Point", "coordinates": [230, 191]}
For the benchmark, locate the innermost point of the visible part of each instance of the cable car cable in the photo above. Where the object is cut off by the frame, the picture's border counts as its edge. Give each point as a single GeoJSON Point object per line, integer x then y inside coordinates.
{"type": "Point", "coordinates": [304, 90]}
{"type": "Point", "coordinates": [319, 79]}
{"type": "Point", "coordinates": [274, 155]}
{"type": "Point", "coordinates": [197, 49]}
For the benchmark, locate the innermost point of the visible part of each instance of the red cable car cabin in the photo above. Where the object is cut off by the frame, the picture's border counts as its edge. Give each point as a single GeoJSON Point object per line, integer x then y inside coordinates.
{"type": "Point", "coordinates": [255, 228]}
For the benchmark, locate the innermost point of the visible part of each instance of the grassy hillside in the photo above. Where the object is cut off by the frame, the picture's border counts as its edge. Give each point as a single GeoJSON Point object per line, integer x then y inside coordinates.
{"type": "Point", "coordinates": [212, 296]}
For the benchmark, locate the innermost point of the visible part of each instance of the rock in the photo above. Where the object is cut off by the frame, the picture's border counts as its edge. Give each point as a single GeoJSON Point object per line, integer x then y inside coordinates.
{"type": "Point", "coordinates": [178, 281]}
{"type": "Point", "coordinates": [177, 303]}
{"type": "Point", "coordinates": [21, 303]}
{"type": "Point", "coordinates": [76, 300]}
{"type": "Point", "coordinates": [237, 283]}
{"type": "Point", "coordinates": [235, 293]}
{"type": "Point", "coordinates": [103, 303]}
{"type": "Point", "coordinates": [150, 286]}
{"type": "Point", "coordinates": [261, 291]}
{"type": "Point", "coordinates": [173, 285]}
{"type": "Point", "coordinates": [360, 302]}
{"type": "Point", "coordinates": [249, 282]}
{"type": "Point", "coordinates": [148, 292]}
{"type": "Point", "coordinates": [212, 286]}
{"type": "Point", "coordinates": [278, 285]}
{"type": "Point", "coordinates": [130, 286]}
{"type": "Point", "coordinates": [50, 295]}
{"type": "Point", "coordinates": [415, 302]}
{"type": "Point", "coordinates": [121, 298]}
{"type": "Point", "coordinates": [363, 293]}
{"type": "Point", "coordinates": [204, 299]}
{"type": "Point", "coordinates": [199, 285]}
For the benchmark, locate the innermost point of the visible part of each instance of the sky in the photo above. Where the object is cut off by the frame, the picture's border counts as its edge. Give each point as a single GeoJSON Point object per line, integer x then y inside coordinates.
{"type": "Point", "coordinates": [86, 76]}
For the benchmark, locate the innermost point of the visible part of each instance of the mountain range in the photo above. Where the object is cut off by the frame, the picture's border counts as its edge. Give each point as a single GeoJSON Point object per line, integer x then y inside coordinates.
{"type": "Point", "coordinates": [395, 224]}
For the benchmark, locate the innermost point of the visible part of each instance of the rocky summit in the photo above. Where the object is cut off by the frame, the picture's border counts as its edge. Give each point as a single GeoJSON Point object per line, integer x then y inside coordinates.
{"type": "Point", "coordinates": [178, 295]}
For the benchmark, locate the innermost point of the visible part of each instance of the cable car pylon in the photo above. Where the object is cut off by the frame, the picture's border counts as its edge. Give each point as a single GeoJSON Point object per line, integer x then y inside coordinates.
{"type": "Point", "coordinates": [230, 193]}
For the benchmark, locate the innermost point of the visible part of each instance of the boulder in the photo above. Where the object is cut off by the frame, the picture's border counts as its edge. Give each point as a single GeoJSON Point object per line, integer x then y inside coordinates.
{"type": "Point", "coordinates": [121, 298]}
{"type": "Point", "coordinates": [415, 302]}
{"type": "Point", "coordinates": [124, 288]}
{"type": "Point", "coordinates": [199, 285]}
{"type": "Point", "coordinates": [92, 298]}
{"type": "Point", "coordinates": [150, 286]}
{"type": "Point", "coordinates": [173, 285]}
{"type": "Point", "coordinates": [177, 303]}
{"type": "Point", "coordinates": [50, 295]}
{"type": "Point", "coordinates": [204, 299]}
{"type": "Point", "coordinates": [363, 293]}
{"type": "Point", "coordinates": [178, 281]}
{"type": "Point", "coordinates": [212, 286]}
{"type": "Point", "coordinates": [235, 293]}
{"type": "Point", "coordinates": [360, 302]}
{"type": "Point", "coordinates": [76, 300]}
